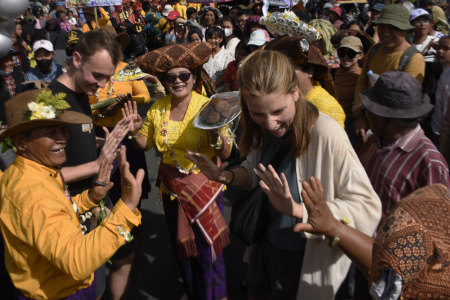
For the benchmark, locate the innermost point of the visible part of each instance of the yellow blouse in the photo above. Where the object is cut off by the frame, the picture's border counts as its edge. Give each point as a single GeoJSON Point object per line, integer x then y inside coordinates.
{"type": "Point", "coordinates": [326, 103]}
{"type": "Point", "coordinates": [179, 136]}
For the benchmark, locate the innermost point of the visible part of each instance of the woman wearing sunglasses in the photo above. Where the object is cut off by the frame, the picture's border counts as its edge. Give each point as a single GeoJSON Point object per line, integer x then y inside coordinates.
{"type": "Point", "coordinates": [313, 75]}
{"type": "Point", "coordinates": [198, 232]}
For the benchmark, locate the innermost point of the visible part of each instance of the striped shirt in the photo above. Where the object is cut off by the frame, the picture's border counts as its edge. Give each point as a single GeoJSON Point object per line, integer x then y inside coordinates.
{"type": "Point", "coordinates": [397, 170]}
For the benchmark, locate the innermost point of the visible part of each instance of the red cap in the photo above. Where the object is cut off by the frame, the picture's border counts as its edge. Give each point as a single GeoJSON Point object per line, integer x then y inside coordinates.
{"type": "Point", "coordinates": [337, 10]}
{"type": "Point", "coordinates": [173, 15]}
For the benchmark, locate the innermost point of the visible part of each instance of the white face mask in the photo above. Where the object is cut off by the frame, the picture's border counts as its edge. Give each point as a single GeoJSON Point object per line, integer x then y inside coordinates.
{"type": "Point", "coordinates": [228, 32]}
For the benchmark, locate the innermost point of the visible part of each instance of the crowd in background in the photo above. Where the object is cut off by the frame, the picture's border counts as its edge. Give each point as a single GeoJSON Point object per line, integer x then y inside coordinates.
{"type": "Point", "coordinates": [368, 94]}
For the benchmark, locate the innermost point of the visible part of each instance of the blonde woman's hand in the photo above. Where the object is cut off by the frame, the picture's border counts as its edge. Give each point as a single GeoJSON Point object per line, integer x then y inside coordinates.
{"type": "Point", "coordinates": [278, 192]}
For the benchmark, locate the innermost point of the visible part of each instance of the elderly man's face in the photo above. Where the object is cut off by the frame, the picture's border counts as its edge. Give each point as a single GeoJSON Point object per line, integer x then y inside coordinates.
{"type": "Point", "coordinates": [44, 145]}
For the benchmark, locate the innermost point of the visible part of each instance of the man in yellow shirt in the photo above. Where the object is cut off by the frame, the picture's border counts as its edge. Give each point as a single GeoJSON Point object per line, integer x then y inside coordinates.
{"type": "Point", "coordinates": [393, 25]}
{"type": "Point", "coordinates": [47, 254]}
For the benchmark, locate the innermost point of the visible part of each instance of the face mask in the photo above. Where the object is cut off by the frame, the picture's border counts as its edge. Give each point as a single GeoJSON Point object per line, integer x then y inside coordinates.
{"type": "Point", "coordinates": [228, 32]}
{"type": "Point", "coordinates": [4, 73]}
{"type": "Point", "coordinates": [44, 64]}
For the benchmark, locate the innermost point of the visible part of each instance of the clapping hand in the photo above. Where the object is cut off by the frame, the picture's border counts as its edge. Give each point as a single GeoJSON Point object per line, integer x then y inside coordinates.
{"type": "Point", "coordinates": [278, 192]}
{"type": "Point", "coordinates": [320, 218]}
{"type": "Point", "coordinates": [102, 185]}
{"type": "Point", "coordinates": [130, 113]}
{"type": "Point", "coordinates": [131, 186]}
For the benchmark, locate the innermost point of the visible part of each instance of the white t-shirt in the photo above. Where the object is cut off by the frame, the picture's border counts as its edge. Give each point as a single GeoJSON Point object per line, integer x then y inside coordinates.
{"type": "Point", "coordinates": [429, 52]}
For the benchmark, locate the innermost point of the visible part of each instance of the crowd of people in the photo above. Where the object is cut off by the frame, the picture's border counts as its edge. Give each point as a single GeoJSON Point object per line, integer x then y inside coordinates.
{"type": "Point", "coordinates": [344, 127]}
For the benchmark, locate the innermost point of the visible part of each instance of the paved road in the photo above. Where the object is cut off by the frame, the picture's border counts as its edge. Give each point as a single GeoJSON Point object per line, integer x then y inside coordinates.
{"type": "Point", "coordinates": [155, 272]}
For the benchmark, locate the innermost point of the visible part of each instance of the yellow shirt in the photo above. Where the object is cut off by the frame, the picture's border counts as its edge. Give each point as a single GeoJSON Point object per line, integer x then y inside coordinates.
{"type": "Point", "coordinates": [180, 135]}
{"type": "Point", "coordinates": [181, 9]}
{"type": "Point", "coordinates": [380, 63]}
{"type": "Point", "coordinates": [46, 255]}
{"type": "Point", "coordinates": [136, 88]}
{"type": "Point", "coordinates": [326, 103]}
{"type": "Point", "coordinates": [104, 20]}
{"type": "Point", "coordinates": [161, 23]}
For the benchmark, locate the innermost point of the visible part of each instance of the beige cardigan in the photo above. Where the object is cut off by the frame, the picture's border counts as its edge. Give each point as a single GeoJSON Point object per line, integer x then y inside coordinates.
{"type": "Point", "coordinates": [349, 194]}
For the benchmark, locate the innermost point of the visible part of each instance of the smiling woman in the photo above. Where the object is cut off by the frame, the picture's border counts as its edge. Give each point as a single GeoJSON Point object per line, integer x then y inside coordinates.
{"type": "Point", "coordinates": [197, 240]}
{"type": "Point", "coordinates": [275, 116]}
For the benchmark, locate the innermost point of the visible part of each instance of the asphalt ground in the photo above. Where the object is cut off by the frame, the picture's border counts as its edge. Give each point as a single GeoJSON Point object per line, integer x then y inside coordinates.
{"type": "Point", "coordinates": [155, 272]}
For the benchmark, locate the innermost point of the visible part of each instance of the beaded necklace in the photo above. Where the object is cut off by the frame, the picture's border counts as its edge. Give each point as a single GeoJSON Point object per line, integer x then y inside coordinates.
{"type": "Point", "coordinates": [110, 90]}
{"type": "Point", "coordinates": [81, 218]}
{"type": "Point", "coordinates": [164, 132]}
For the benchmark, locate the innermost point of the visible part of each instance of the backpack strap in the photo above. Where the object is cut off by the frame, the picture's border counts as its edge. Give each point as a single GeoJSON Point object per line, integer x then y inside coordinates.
{"type": "Point", "coordinates": [372, 53]}
{"type": "Point", "coordinates": [406, 57]}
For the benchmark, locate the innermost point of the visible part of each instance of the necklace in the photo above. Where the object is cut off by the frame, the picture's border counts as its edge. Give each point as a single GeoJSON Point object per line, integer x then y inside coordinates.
{"type": "Point", "coordinates": [164, 132]}
{"type": "Point", "coordinates": [81, 218]}
{"type": "Point", "coordinates": [110, 90]}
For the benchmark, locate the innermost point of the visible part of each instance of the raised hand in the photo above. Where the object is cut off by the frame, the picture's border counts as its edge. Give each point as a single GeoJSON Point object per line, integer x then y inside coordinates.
{"type": "Point", "coordinates": [278, 192]}
{"type": "Point", "coordinates": [320, 218]}
{"type": "Point", "coordinates": [112, 140]}
{"type": "Point", "coordinates": [131, 186]}
{"type": "Point", "coordinates": [102, 185]}
{"type": "Point", "coordinates": [207, 166]}
{"type": "Point", "coordinates": [130, 113]}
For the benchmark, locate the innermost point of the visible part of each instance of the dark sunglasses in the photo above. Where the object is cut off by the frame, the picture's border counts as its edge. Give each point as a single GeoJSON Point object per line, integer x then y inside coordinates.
{"type": "Point", "coordinates": [350, 54]}
{"type": "Point", "coordinates": [183, 77]}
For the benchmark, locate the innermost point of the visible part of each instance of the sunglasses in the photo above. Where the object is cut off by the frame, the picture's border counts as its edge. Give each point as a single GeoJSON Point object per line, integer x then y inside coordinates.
{"type": "Point", "coordinates": [349, 53]}
{"type": "Point", "coordinates": [183, 77]}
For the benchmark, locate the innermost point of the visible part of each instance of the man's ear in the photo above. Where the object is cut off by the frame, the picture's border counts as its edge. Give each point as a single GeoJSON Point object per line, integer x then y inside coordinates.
{"type": "Point", "coordinates": [20, 142]}
{"type": "Point", "coordinates": [76, 59]}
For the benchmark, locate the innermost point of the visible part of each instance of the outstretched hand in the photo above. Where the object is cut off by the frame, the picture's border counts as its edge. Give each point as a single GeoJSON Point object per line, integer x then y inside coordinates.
{"type": "Point", "coordinates": [98, 192]}
{"type": "Point", "coordinates": [130, 113]}
{"type": "Point", "coordinates": [131, 186]}
{"type": "Point", "coordinates": [320, 218]}
{"type": "Point", "coordinates": [278, 192]}
{"type": "Point", "coordinates": [112, 140]}
{"type": "Point", "coordinates": [207, 166]}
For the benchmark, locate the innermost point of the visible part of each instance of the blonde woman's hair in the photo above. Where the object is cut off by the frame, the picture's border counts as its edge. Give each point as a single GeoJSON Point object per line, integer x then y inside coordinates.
{"type": "Point", "coordinates": [266, 72]}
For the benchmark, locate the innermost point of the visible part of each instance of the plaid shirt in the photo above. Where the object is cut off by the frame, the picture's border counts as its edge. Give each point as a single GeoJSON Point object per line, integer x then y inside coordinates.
{"type": "Point", "coordinates": [399, 169]}
{"type": "Point", "coordinates": [10, 84]}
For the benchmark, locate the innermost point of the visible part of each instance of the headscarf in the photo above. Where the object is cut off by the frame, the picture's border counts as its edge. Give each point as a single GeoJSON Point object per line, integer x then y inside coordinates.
{"type": "Point", "coordinates": [294, 47]}
{"type": "Point", "coordinates": [327, 30]}
{"type": "Point", "coordinates": [137, 6]}
{"type": "Point", "coordinates": [413, 246]}
{"type": "Point", "coordinates": [191, 56]}
{"type": "Point", "coordinates": [118, 8]}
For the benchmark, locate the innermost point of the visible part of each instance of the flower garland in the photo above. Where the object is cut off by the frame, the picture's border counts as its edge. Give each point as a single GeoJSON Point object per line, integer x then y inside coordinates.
{"type": "Point", "coordinates": [164, 133]}
{"type": "Point", "coordinates": [287, 23]}
{"type": "Point", "coordinates": [110, 90]}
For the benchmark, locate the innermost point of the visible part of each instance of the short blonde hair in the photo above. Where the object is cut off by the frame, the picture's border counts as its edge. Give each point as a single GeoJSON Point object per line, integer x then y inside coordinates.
{"type": "Point", "coordinates": [266, 72]}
